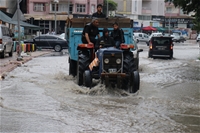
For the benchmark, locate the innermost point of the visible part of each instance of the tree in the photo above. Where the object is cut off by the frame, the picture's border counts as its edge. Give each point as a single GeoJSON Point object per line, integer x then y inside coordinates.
{"type": "Point", "coordinates": [189, 6]}
{"type": "Point", "coordinates": [112, 6]}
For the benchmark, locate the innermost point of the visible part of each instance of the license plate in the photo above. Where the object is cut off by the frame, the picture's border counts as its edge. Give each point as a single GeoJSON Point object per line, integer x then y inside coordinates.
{"type": "Point", "coordinates": [161, 48]}
{"type": "Point", "coordinates": [112, 70]}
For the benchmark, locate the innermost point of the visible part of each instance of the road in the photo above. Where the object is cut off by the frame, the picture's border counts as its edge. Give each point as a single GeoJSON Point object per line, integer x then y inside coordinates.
{"type": "Point", "coordinates": [40, 96]}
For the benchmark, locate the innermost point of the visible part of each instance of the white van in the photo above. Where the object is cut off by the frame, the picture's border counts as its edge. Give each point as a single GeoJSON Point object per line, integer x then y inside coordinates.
{"type": "Point", "coordinates": [141, 37]}
{"type": "Point", "coordinates": [6, 42]}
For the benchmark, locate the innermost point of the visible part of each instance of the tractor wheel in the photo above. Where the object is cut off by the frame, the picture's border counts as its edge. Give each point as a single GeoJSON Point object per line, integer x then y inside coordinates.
{"type": "Point", "coordinates": [83, 63]}
{"type": "Point", "coordinates": [72, 67]}
{"type": "Point", "coordinates": [87, 78]}
{"type": "Point", "coordinates": [135, 79]}
{"type": "Point", "coordinates": [128, 68]}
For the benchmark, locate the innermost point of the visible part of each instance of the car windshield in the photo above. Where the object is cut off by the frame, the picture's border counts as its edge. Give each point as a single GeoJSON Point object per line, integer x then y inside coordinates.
{"type": "Point", "coordinates": [161, 41]}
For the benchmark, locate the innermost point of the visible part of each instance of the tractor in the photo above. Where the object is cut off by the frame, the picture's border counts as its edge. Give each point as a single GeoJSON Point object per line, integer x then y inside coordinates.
{"type": "Point", "coordinates": [115, 67]}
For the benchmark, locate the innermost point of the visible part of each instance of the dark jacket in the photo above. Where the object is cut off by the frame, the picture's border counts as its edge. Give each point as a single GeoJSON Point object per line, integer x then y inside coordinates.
{"type": "Point", "coordinates": [97, 15]}
{"type": "Point", "coordinates": [118, 35]}
{"type": "Point", "coordinates": [105, 41]}
{"type": "Point", "coordinates": [92, 31]}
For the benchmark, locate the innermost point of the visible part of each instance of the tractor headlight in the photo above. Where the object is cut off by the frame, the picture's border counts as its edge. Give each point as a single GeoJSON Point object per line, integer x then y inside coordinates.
{"type": "Point", "coordinates": [106, 60]}
{"type": "Point", "coordinates": [118, 61]}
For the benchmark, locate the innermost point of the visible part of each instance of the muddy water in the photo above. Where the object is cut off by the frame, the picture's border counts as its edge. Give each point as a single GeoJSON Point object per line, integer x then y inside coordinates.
{"type": "Point", "coordinates": [41, 97]}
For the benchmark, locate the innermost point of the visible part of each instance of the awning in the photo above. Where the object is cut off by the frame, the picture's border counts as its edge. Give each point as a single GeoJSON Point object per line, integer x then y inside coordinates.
{"type": "Point", "coordinates": [149, 28]}
{"type": "Point", "coordinates": [5, 18]}
{"type": "Point", "coordinates": [48, 17]}
{"type": "Point", "coordinates": [159, 28]}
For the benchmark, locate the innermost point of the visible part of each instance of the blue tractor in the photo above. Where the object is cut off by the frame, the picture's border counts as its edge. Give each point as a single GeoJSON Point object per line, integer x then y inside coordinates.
{"type": "Point", "coordinates": [116, 67]}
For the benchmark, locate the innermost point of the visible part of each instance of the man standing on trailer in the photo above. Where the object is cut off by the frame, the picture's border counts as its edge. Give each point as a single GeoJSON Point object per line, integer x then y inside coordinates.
{"type": "Point", "coordinates": [99, 13]}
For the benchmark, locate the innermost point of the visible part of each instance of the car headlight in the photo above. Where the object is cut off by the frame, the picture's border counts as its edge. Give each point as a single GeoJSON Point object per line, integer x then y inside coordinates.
{"type": "Point", "coordinates": [106, 60]}
{"type": "Point", "coordinates": [118, 61]}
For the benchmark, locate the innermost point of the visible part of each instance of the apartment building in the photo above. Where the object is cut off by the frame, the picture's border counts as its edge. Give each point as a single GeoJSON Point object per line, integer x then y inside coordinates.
{"type": "Point", "coordinates": [176, 18]}
{"type": "Point", "coordinates": [43, 12]}
{"type": "Point", "coordinates": [8, 6]}
{"type": "Point", "coordinates": [143, 12]}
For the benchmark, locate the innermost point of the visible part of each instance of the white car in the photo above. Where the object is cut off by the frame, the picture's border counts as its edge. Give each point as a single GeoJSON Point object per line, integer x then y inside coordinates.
{"type": "Point", "coordinates": [198, 38]}
{"type": "Point", "coordinates": [141, 37]}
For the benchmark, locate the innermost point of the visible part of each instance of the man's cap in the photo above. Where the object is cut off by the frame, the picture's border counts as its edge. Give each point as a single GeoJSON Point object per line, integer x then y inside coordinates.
{"type": "Point", "coordinates": [99, 5]}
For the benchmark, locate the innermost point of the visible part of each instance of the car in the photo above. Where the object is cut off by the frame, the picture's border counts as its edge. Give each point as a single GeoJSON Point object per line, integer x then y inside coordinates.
{"type": "Point", "coordinates": [49, 42]}
{"type": "Point", "coordinates": [141, 37]}
{"type": "Point", "coordinates": [153, 34]}
{"type": "Point", "coordinates": [62, 36]}
{"type": "Point", "coordinates": [177, 37]}
{"type": "Point", "coordinates": [198, 38]}
{"type": "Point", "coordinates": [6, 41]}
{"type": "Point", "coordinates": [161, 46]}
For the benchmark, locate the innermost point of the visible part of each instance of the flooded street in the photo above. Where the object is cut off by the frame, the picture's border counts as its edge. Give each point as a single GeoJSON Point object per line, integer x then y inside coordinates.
{"type": "Point", "coordinates": [40, 96]}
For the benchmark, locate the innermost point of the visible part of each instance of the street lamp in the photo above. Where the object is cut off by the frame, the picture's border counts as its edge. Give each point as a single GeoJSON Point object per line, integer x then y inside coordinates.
{"type": "Point", "coordinates": [55, 2]}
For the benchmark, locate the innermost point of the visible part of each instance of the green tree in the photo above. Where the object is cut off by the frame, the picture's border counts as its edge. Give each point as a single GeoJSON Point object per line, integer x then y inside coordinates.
{"type": "Point", "coordinates": [189, 6]}
{"type": "Point", "coordinates": [112, 6]}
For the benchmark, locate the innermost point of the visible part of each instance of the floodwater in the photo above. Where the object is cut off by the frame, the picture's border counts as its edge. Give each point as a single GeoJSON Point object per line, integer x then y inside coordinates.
{"type": "Point", "coordinates": [40, 96]}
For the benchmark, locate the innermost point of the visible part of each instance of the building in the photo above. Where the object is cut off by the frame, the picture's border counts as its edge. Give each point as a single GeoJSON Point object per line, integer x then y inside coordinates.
{"type": "Point", "coordinates": [9, 6]}
{"type": "Point", "coordinates": [142, 11]}
{"type": "Point", "coordinates": [176, 18]}
{"type": "Point", "coordinates": [45, 12]}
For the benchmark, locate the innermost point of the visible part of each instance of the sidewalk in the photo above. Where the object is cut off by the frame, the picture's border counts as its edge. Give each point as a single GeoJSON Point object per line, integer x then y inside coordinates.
{"type": "Point", "coordinates": [191, 41]}
{"type": "Point", "coordinates": [10, 63]}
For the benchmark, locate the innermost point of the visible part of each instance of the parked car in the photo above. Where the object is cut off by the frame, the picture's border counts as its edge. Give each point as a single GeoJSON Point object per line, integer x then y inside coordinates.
{"type": "Point", "coordinates": [198, 38]}
{"type": "Point", "coordinates": [177, 38]}
{"type": "Point", "coordinates": [49, 42]}
{"type": "Point", "coordinates": [62, 36]}
{"type": "Point", "coordinates": [161, 46]}
{"type": "Point", "coordinates": [141, 37]}
{"type": "Point", "coordinates": [6, 42]}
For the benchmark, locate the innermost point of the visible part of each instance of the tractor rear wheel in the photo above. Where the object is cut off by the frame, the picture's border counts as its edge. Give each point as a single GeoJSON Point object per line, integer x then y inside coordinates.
{"type": "Point", "coordinates": [83, 63]}
{"type": "Point", "coordinates": [128, 68]}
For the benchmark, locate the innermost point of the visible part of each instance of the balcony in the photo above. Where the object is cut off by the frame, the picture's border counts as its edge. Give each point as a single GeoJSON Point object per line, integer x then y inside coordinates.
{"type": "Point", "coordinates": [146, 10]}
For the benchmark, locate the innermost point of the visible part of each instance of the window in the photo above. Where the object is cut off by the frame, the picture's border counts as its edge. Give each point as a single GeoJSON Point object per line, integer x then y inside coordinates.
{"type": "Point", "coordinates": [39, 7]}
{"type": "Point", "coordinates": [51, 37]}
{"type": "Point", "coordinates": [54, 7]}
{"type": "Point", "coordinates": [92, 8]}
{"type": "Point", "coordinates": [136, 6]}
{"type": "Point", "coordinates": [169, 9]}
{"type": "Point", "coordinates": [80, 8]}
{"type": "Point", "coordinates": [71, 9]}
{"type": "Point", "coordinates": [142, 17]}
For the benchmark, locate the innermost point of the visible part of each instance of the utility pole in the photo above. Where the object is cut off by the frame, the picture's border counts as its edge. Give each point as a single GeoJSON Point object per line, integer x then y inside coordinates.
{"type": "Point", "coordinates": [56, 2]}
{"type": "Point", "coordinates": [107, 9]}
{"type": "Point", "coordinates": [19, 58]}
